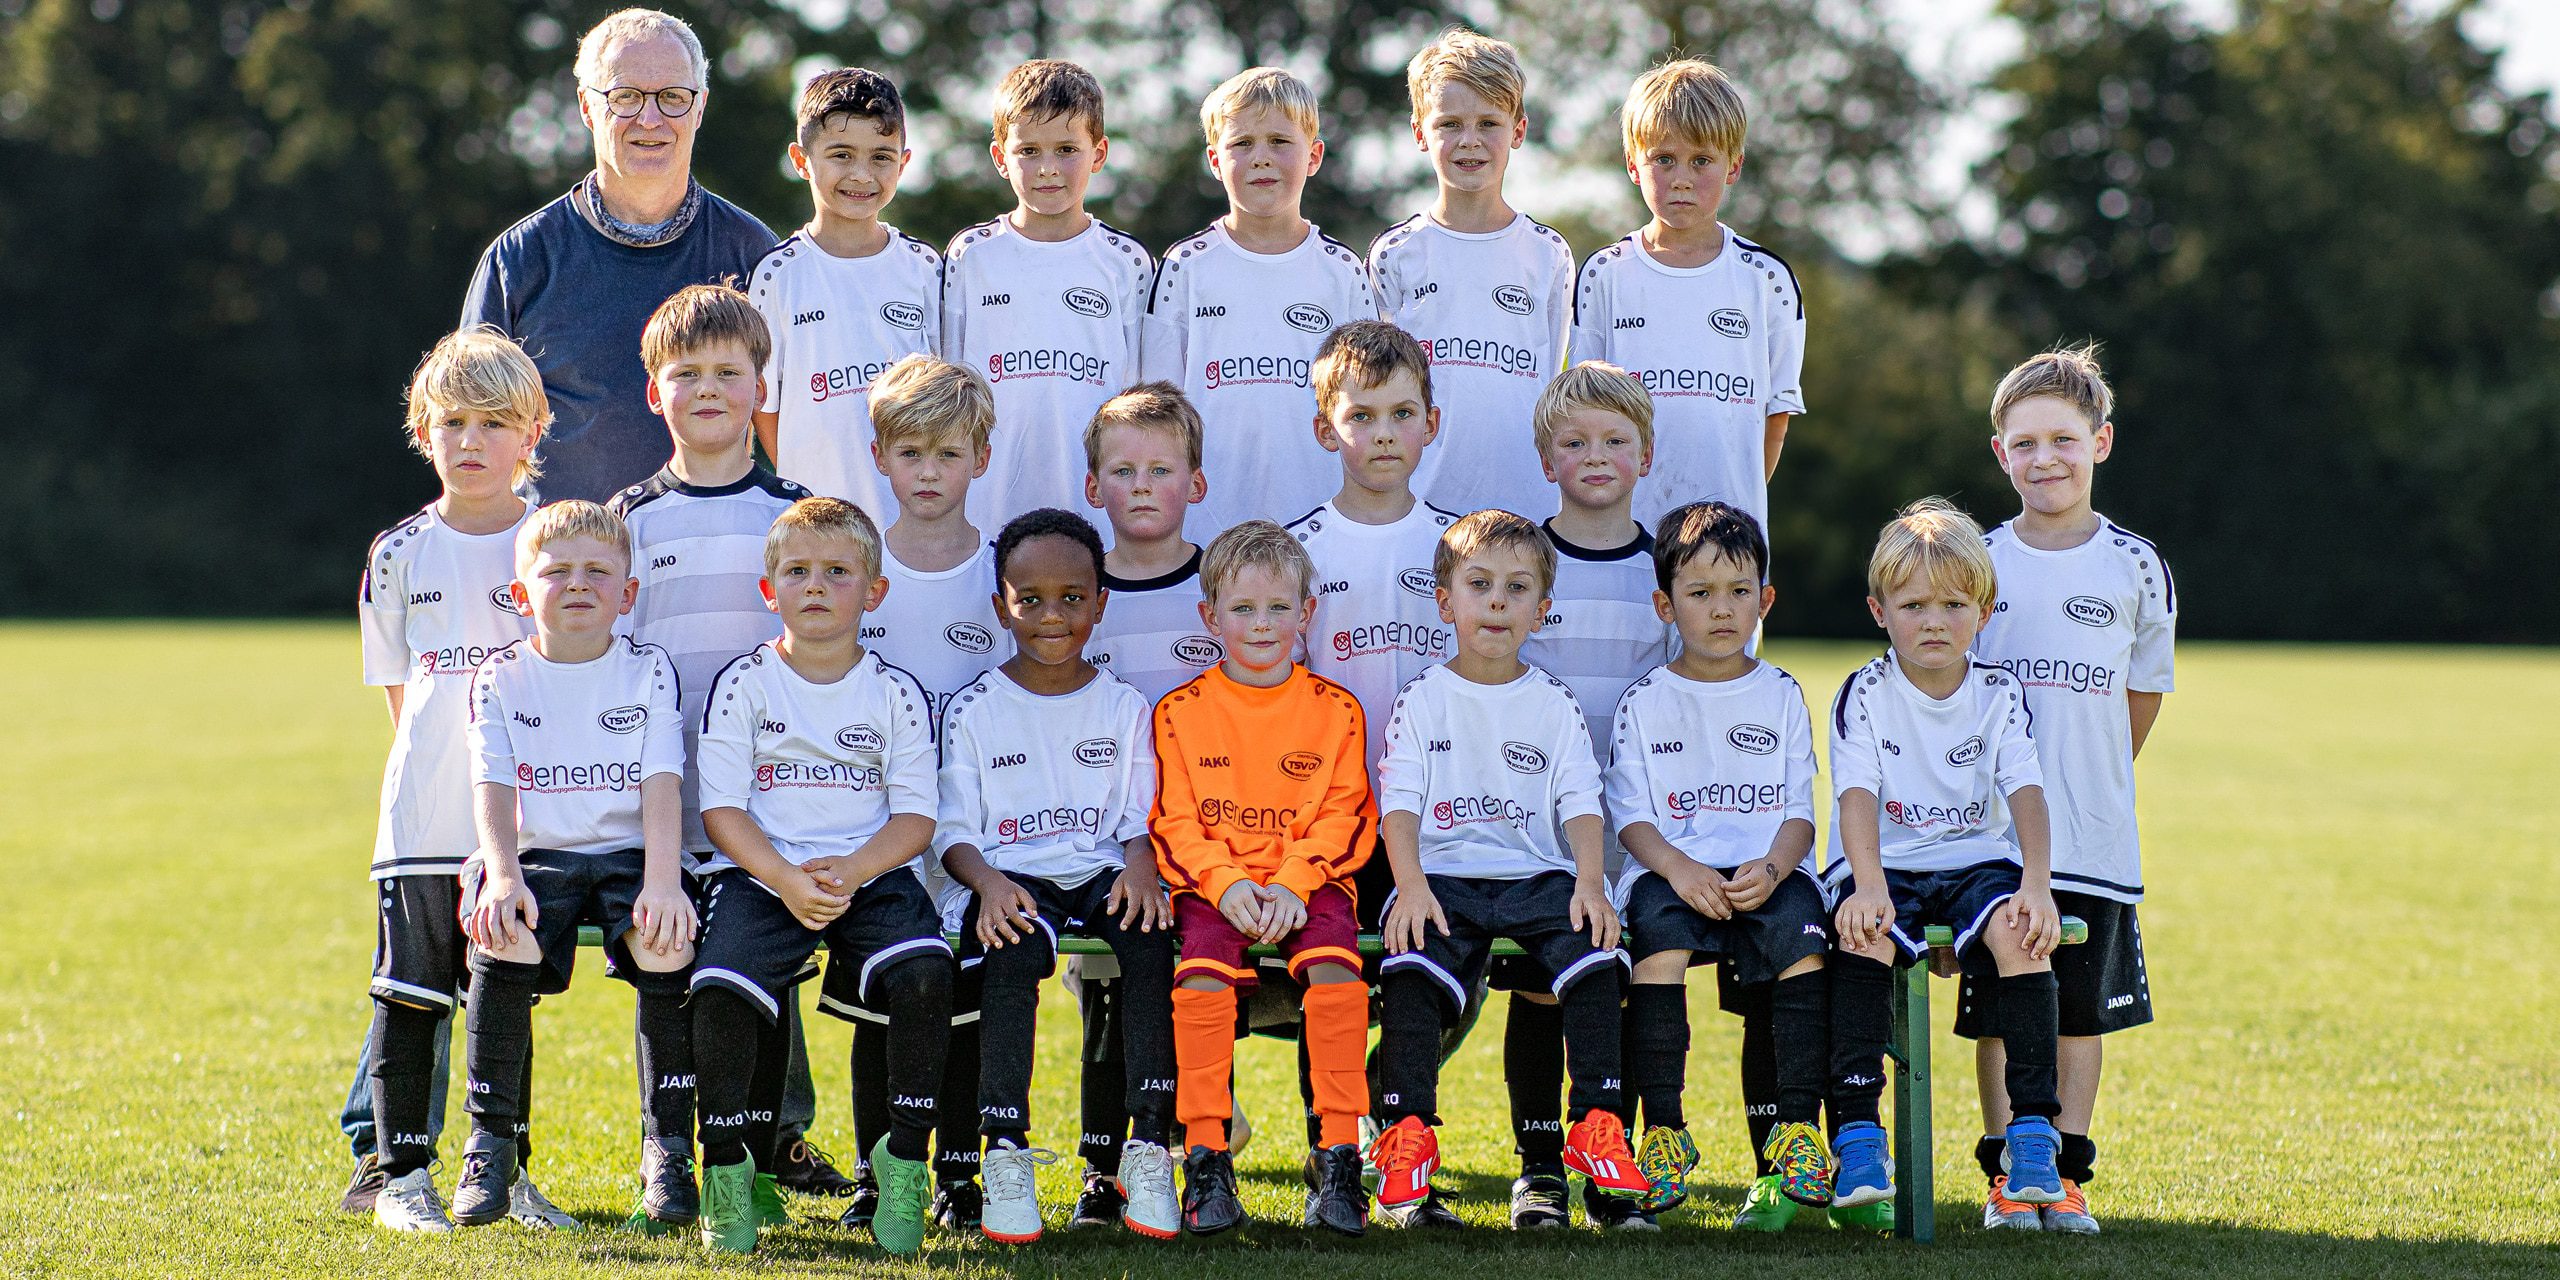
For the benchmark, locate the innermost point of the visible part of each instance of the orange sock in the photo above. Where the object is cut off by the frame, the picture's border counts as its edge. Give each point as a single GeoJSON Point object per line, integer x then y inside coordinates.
{"type": "Point", "coordinates": [1204, 1055]}
{"type": "Point", "coordinates": [1337, 1031]}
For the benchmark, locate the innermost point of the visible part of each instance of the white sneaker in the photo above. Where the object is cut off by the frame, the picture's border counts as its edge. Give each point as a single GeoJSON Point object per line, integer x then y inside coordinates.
{"type": "Point", "coordinates": [1011, 1175]}
{"type": "Point", "coordinates": [529, 1207]}
{"type": "Point", "coordinates": [1146, 1178]}
{"type": "Point", "coordinates": [410, 1203]}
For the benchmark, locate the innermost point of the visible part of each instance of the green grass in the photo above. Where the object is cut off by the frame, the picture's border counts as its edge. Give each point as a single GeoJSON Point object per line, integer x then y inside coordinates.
{"type": "Point", "coordinates": [2356, 1070]}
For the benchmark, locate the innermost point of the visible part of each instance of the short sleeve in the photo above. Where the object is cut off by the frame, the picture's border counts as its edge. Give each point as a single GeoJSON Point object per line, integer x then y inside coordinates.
{"type": "Point", "coordinates": [1560, 306]}
{"type": "Point", "coordinates": [725, 753]}
{"type": "Point", "coordinates": [931, 296]}
{"type": "Point", "coordinates": [1133, 311]}
{"type": "Point", "coordinates": [1403, 774]}
{"type": "Point", "coordinates": [493, 753]}
{"type": "Point", "coordinates": [662, 739]}
{"type": "Point", "coordinates": [1161, 349]}
{"type": "Point", "coordinates": [2153, 666]}
{"type": "Point", "coordinates": [954, 324]}
{"type": "Point", "coordinates": [1854, 763]}
{"type": "Point", "coordinates": [1591, 314]}
{"type": "Point", "coordinates": [776, 366]}
{"type": "Point", "coordinates": [2014, 761]}
{"type": "Point", "coordinates": [1138, 787]}
{"type": "Point", "coordinates": [960, 810]}
{"type": "Point", "coordinates": [1801, 769]}
{"type": "Point", "coordinates": [1786, 350]}
{"type": "Point", "coordinates": [909, 758]}
{"type": "Point", "coordinates": [382, 613]}
{"type": "Point", "coordinates": [486, 301]}
{"type": "Point", "coordinates": [1627, 784]}
{"type": "Point", "coordinates": [1577, 769]}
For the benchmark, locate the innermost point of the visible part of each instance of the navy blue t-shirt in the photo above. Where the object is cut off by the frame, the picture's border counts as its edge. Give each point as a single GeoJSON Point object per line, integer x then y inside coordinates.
{"type": "Point", "coordinates": [577, 301]}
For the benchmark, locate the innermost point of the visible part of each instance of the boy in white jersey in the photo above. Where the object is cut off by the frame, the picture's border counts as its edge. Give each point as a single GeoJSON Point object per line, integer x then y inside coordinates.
{"type": "Point", "coordinates": [577, 769]}
{"type": "Point", "coordinates": [1711, 789]}
{"type": "Point", "coordinates": [434, 603]}
{"type": "Point", "coordinates": [846, 295]}
{"type": "Point", "coordinates": [817, 774]}
{"type": "Point", "coordinates": [1048, 771]}
{"type": "Point", "coordinates": [1712, 323]}
{"type": "Point", "coordinates": [1142, 467]}
{"type": "Point", "coordinates": [1489, 802]}
{"type": "Point", "coordinates": [1048, 300]}
{"type": "Point", "coordinates": [1592, 432]}
{"type": "Point", "coordinates": [1240, 308]}
{"type": "Point", "coordinates": [1487, 291]}
{"type": "Point", "coordinates": [2086, 621]}
{"type": "Point", "coordinates": [1940, 819]}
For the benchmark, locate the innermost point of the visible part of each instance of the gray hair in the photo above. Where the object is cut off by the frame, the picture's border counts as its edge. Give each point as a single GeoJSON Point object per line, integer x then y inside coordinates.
{"type": "Point", "coordinates": [638, 26]}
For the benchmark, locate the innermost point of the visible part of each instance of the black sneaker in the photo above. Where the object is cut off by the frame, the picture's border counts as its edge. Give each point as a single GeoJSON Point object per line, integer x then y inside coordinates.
{"type": "Point", "coordinates": [1615, 1213]}
{"type": "Point", "coordinates": [959, 1206]}
{"type": "Point", "coordinates": [1423, 1213]}
{"type": "Point", "coordinates": [1101, 1202]}
{"type": "Point", "coordinates": [1336, 1198]}
{"type": "Point", "coordinates": [806, 1170]}
{"type": "Point", "coordinates": [1209, 1203]}
{"type": "Point", "coordinates": [362, 1188]}
{"type": "Point", "coordinates": [667, 1192]}
{"type": "Point", "coordinates": [1538, 1201]}
{"type": "Point", "coordinates": [488, 1170]}
{"type": "Point", "coordinates": [866, 1200]}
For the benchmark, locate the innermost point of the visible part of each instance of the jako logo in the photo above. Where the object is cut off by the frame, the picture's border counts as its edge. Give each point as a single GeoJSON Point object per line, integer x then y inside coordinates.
{"type": "Point", "coordinates": [1418, 581]}
{"type": "Point", "coordinates": [426, 597]}
{"type": "Point", "coordinates": [1086, 302]}
{"type": "Point", "coordinates": [1199, 651]}
{"type": "Point", "coordinates": [2089, 611]}
{"type": "Point", "coordinates": [1301, 765]}
{"type": "Point", "coordinates": [1966, 752]}
{"type": "Point", "coordinates": [624, 719]}
{"type": "Point", "coordinates": [905, 315]}
{"type": "Point", "coordinates": [1753, 738]}
{"type": "Point", "coordinates": [1097, 753]}
{"type": "Point", "coordinates": [860, 737]}
{"type": "Point", "coordinates": [1627, 322]}
{"type": "Point", "coordinates": [969, 636]}
{"type": "Point", "coordinates": [799, 318]}
{"type": "Point", "coordinates": [1307, 317]}
{"type": "Point", "coordinates": [1523, 758]}
{"type": "Point", "coordinates": [1208, 313]}
{"type": "Point", "coordinates": [1514, 299]}
{"type": "Point", "coordinates": [1730, 323]}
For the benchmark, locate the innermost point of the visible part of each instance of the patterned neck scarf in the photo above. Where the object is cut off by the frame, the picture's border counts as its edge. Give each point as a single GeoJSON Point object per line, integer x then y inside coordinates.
{"type": "Point", "coordinates": [588, 198]}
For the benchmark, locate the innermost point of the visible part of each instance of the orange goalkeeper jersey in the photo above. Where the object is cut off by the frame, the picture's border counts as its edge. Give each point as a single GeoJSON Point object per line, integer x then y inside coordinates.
{"type": "Point", "coordinates": [1267, 785]}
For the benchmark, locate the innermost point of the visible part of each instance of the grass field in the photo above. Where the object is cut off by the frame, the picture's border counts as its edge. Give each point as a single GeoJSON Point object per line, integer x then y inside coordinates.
{"type": "Point", "coordinates": [2356, 1070]}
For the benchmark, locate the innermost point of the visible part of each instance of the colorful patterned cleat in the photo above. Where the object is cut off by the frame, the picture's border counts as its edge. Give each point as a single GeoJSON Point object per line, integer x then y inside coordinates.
{"type": "Point", "coordinates": [1802, 1162]}
{"type": "Point", "coordinates": [1406, 1153]}
{"type": "Point", "coordinates": [1766, 1208]}
{"type": "Point", "coordinates": [2070, 1215]}
{"type": "Point", "coordinates": [1865, 1175]}
{"type": "Point", "coordinates": [1596, 1148]}
{"type": "Point", "coordinates": [2029, 1161]}
{"type": "Point", "coordinates": [1665, 1156]}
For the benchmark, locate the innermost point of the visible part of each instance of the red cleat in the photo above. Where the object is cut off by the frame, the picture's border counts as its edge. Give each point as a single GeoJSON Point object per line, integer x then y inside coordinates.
{"type": "Point", "coordinates": [1406, 1153]}
{"type": "Point", "coordinates": [1597, 1149]}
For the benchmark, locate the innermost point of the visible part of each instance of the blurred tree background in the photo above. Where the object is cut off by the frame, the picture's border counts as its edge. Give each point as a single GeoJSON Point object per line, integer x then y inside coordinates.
{"type": "Point", "coordinates": [2321, 245]}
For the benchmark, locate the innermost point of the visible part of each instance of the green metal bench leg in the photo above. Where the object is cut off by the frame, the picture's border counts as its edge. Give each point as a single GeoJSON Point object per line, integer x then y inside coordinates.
{"type": "Point", "coordinates": [1915, 1202]}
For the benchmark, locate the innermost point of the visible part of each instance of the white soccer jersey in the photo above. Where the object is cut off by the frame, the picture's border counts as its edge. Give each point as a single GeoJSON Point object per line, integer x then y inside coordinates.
{"type": "Point", "coordinates": [1049, 786]}
{"type": "Point", "coordinates": [1493, 771]}
{"type": "Point", "coordinates": [1715, 766]}
{"type": "Point", "coordinates": [1238, 331]}
{"type": "Point", "coordinates": [1493, 309]}
{"type": "Point", "coordinates": [939, 627]}
{"type": "Point", "coordinates": [1720, 347]}
{"type": "Point", "coordinates": [1150, 634]}
{"type": "Point", "coordinates": [1601, 632]}
{"type": "Point", "coordinates": [1377, 623]}
{"type": "Point", "coordinates": [433, 605]}
{"type": "Point", "coordinates": [2080, 629]}
{"type": "Point", "coordinates": [698, 552]}
{"type": "Point", "coordinates": [837, 325]}
{"type": "Point", "coordinates": [576, 740]}
{"type": "Point", "coordinates": [1941, 771]}
{"type": "Point", "coordinates": [819, 768]}
{"type": "Point", "coordinates": [1056, 328]}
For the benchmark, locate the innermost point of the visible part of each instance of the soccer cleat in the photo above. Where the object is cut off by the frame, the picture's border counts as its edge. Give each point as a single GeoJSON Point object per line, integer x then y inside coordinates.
{"type": "Point", "coordinates": [364, 1186]}
{"type": "Point", "coordinates": [959, 1206]}
{"type": "Point", "coordinates": [2029, 1161]}
{"type": "Point", "coordinates": [1012, 1213]}
{"type": "Point", "coordinates": [2070, 1215]}
{"type": "Point", "coordinates": [906, 1195]}
{"type": "Point", "coordinates": [1596, 1148]}
{"type": "Point", "coordinates": [866, 1201]}
{"type": "Point", "coordinates": [1876, 1217]}
{"type": "Point", "coordinates": [488, 1169]}
{"type": "Point", "coordinates": [528, 1207]}
{"type": "Point", "coordinates": [1802, 1162]}
{"type": "Point", "coordinates": [1538, 1201]}
{"type": "Point", "coordinates": [1766, 1208]}
{"type": "Point", "coordinates": [409, 1203]}
{"type": "Point", "coordinates": [2000, 1213]}
{"type": "Point", "coordinates": [767, 1195]}
{"type": "Point", "coordinates": [1665, 1157]}
{"type": "Point", "coordinates": [668, 1197]}
{"type": "Point", "coordinates": [1143, 1195]}
{"type": "Point", "coordinates": [1428, 1212]}
{"type": "Point", "coordinates": [1337, 1199]}
{"type": "Point", "coordinates": [1102, 1201]}
{"type": "Point", "coordinates": [1209, 1203]}
{"type": "Point", "coordinates": [1865, 1173]}
{"type": "Point", "coordinates": [807, 1171]}
{"type": "Point", "coordinates": [1405, 1153]}
{"type": "Point", "coordinates": [1615, 1213]}
{"type": "Point", "coordinates": [728, 1214]}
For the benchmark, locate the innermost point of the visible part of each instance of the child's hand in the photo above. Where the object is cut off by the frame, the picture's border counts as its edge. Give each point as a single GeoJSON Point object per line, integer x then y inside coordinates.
{"type": "Point", "coordinates": [1286, 914]}
{"type": "Point", "coordinates": [1005, 913]}
{"type": "Point", "coordinates": [2039, 923]}
{"type": "Point", "coordinates": [1702, 887]}
{"type": "Point", "coordinates": [1244, 904]}
{"type": "Point", "coordinates": [664, 916]}
{"type": "Point", "coordinates": [834, 874]}
{"type": "Point", "coordinates": [1591, 910]}
{"type": "Point", "coordinates": [1414, 908]}
{"type": "Point", "coordinates": [491, 922]}
{"type": "Point", "coordinates": [809, 900]}
{"type": "Point", "coordinates": [1864, 918]}
{"type": "Point", "coordinates": [1751, 885]}
{"type": "Point", "coordinates": [1138, 898]}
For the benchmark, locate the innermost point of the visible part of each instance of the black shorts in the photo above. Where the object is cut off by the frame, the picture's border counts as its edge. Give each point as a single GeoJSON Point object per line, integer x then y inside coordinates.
{"type": "Point", "coordinates": [1961, 898]}
{"type": "Point", "coordinates": [753, 945]}
{"type": "Point", "coordinates": [417, 943]}
{"type": "Point", "coordinates": [1535, 912]}
{"type": "Point", "coordinates": [573, 889]}
{"type": "Point", "coordinates": [1762, 943]}
{"type": "Point", "coordinates": [1078, 909]}
{"type": "Point", "coordinates": [2104, 983]}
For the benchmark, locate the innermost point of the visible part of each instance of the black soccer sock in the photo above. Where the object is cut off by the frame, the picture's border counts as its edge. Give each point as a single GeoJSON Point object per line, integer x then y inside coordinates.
{"type": "Point", "coordinates": [2027, 1016]}
{"type": "Point", "coordinates": [1102, 1094]}
{"type": "Point", "coordinates": [955, 1137]}
{"type": "Point", "coordinates": [1008, 1005]}
{"type": "Point", "coordinates": [500, 1020]}
{"type": "Point", "coordinates": [917, 993]}
{"type": "Point", "coordinates": [2079, 1160]}
{"type": "Point", "coordinates": [1988, 1152]}
{"type": "Point", "coordinates": [1533, 1074]}
{"type": "Point", "coordinates": [1861, 1023]}
{"type": "Point", "coordinates": [665, 1049]}
{"type": "Point", "coordinates": [870, 1085]}
{"type": "Point", "coordinates": [1409, 1049]}
{"type": "Point", "coordinates": [402, 1071]}
{"type": "Point", "coordinates": [1593, 1009]}
{"type": "Point", "coordinates": [524, 1093]}
{"type": "Point", "coordinates": [731, 1035]}
{"type": "Point", "coordinates": [1759, 1074]}
{"type": "Point", "coordinates": [1800, 1027]}
{"type": "Point", "coordinates": [767, 1088]}
{"type": "Point", "coordinates": [1657, 1050]}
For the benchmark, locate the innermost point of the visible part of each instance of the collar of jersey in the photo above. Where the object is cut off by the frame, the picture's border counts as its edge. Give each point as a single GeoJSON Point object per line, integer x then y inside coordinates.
{"type": "Point", "coordinates": [1642, 545]}
{"type": "Point", "coordinates": [1190, 569]}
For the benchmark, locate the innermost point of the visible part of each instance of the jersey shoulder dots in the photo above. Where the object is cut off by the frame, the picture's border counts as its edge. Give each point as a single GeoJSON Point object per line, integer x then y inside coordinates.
{"type": "Point", "coordinates": [394, 546]}
{"type": "Point", "coordinates": [1856, 688]}
{"type": "Point", "coordinates": [661, 485]}
{"type": "Point", "coordinates": [1782, 276]}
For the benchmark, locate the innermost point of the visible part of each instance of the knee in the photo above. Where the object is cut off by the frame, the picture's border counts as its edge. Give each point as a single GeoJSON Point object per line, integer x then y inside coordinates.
{"type": "Point", "coordinates": [1541, 997]}
{"type": "Point", "coordinates": [1319, 975]}
{"type": "Point", "coordinates": [1200, 982]}
{"type": "Point", "coordinates": [1662, 968]}
{"type": "Point", "coordinates": [1810, 964]}
{"type": "Point", "coordinates": [920, 981]}
{"type": "Point", "coordinates": [676, 960]}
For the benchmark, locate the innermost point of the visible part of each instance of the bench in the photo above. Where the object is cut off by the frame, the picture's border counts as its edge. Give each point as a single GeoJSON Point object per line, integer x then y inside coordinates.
{"type": "Point", "coordinates": [1915, 1205]}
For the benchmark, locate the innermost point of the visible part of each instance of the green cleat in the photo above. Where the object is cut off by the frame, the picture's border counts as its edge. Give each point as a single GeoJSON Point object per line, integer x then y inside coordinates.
{"type": "Point", "coordinates": [1767, 1209]}
{"type": "Point", "coordinates": [728, 1207]}
{"type": "Point", "coordinates": [1876, 1217]}
{"type": "Point", "coordinates": [906, 1200]}
{"type": "Point", "coordinates": [767, 1195]}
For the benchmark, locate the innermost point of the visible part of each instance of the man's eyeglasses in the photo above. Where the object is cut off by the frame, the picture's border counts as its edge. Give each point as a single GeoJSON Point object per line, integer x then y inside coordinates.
{"type": "Point", "coordinates": [624, 101]}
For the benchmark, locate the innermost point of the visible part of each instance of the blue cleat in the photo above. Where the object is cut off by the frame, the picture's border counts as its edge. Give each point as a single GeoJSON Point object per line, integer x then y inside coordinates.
{"type": "Point", "coordinates": [2033, 1144]}
{"type": "Point", "coordinates": [1866, 1168]}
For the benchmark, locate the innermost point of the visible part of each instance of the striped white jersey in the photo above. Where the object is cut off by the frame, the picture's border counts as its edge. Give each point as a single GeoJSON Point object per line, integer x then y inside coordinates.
{"type": "Point", "coordinates": [1047, 785]}
{"type": "Point", "coordinates": [576, 740]}
{"type": "Point", "coordinates": [1151, 634]}
{"type": "Point", "coordinates": [819, 768]}
{"type": "Point", "coordinates": [1941, 770]}
{"type": "Point", "coordinates": [1377, 623]}
{"type": "Point", "coordinates": [837, 325]}
{"type": "Point", "coordinates": [1493, 771]}
{"type": "Point", "coordinates": [1716, 767]}
{"type": "Point", "coordinates": [1601, 631]}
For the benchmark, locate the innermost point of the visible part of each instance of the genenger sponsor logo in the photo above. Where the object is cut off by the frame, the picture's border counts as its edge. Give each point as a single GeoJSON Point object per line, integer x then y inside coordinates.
{"type": "Point", "coordinates": [1483, 353]}
{"type": "Point", "coordinates": [1047, 362]}
{"type": "Point", "coordinates": [557, 779]}
{"type": "Point", "coordinates": [1224, 811]}
{"type": "Point", "coordinates": [834, 775]}
{"type": "Point", "coordinates": [1461, 811]}
{"type": "Point", "coordinates": [845, 380]}
{"type": "Point", "coordinates": [1048, 824]}
{"type": "Point", "coordinates": [2062, 673]}
{"type": "Point", "coordinates": [1248, 371]}
{"type": "Point", "coordinates": [1922, 817]}
{"type": "Point", "coordinates": [455, 660]}
{"type": "Point", "coordinates": [1710, 384]}
{"type": "Point", "coordinates": [1391, 637]}
{"type": "Point", "coordinates": [1726, 797]}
